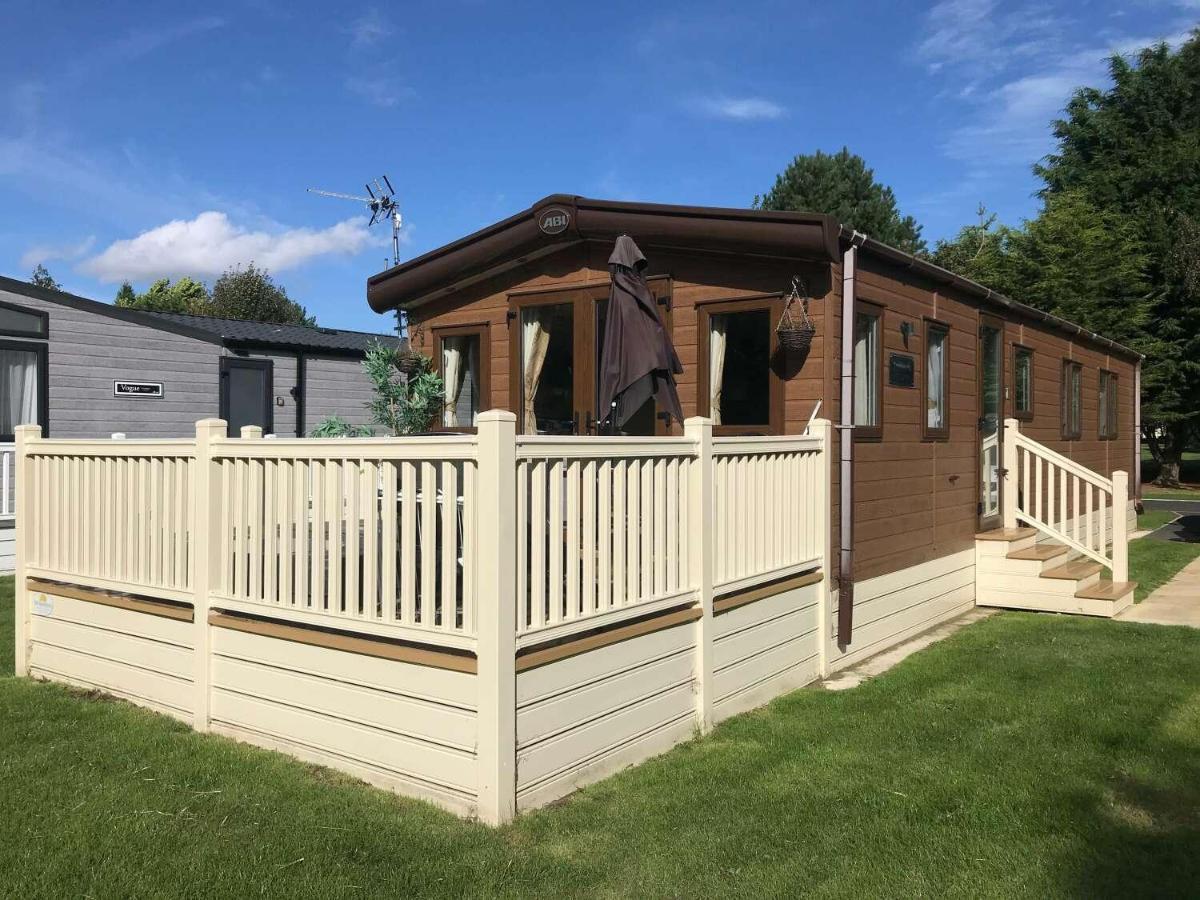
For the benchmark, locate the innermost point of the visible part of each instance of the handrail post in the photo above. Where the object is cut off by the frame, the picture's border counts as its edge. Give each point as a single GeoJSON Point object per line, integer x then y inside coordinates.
{"type": "Point", "coordinates": [1120, 526]}
{"type": "Point", "coordinates": [700, 537]}
{"type": "Point", "coordinates": [823, 429]}
{"type": "Point", "coordinates": [23, 507]}
{"type": "Point", "coordinates": [205, 540]}
{"type": "Point", "coordinates": [1012, 429]}
{"type": "Point", "coordinates": [496, 617]}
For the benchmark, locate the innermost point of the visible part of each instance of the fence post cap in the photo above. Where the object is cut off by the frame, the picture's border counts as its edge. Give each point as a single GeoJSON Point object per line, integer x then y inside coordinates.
{"type": "Point", "coordinates": [696, 421]}
{"type": "Point", "coordinates": [29, 431]}
{"type": "Point", "coordinates": [497, 415]}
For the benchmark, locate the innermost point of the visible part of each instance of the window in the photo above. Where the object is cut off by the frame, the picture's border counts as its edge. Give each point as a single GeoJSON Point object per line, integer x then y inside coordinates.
{"type": "Point", "coordinates": [937, 399]}
{"type": "Point", "coordinates": [22, 386]}
{"type": "Point", "coordinates": [744, 393]}
{"type": "Point", "coordinates": [868, 371]}
{"type": "Point", "coordinates": [1072, 401]}
{"type": "Point", "coordinates": [460, 363]}
{"type": "Point", "coordinates": [1108, 405]}
{"type": "Point", "coordinates": [1023, 382]}
{"type": "Point", "coordinates": [20, 322]}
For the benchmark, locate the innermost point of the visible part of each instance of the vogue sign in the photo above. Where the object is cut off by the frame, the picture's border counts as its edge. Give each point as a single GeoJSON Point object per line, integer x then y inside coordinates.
{"type": "Point", "coordinates": [554, 220]}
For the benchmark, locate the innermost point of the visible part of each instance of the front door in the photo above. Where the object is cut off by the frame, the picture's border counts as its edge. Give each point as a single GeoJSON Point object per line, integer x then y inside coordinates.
{"type": "Point", "coordinates": [247, 394]}
{"type": "Point", "coordinates": [991, 402]}
{"type": "Point", "coordinates": [557, 339]}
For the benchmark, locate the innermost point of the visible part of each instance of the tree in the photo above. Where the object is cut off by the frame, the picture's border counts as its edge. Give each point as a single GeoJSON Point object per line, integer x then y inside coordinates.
{"type": "Point", "coordinates": [184, 296]}
{"type": "Point", "coordinates": [841, 185]}
{"type": "Point", "coordinates": [252, 294]}
{"type": "Point", "coordinates": [402, 405]}
{"type": "Point", "coordinates": [43, 279]}
{"type": "Point", "coordinates": [1133, 150]}
{"type": "Point", "coordinates": [983, 252]}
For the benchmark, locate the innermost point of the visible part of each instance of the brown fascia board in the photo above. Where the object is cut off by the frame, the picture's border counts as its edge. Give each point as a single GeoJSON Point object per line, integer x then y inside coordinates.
{"type": "Point", "coordinates": [975, 289]}
{"type": "Point", "coordinates": [518, 239]}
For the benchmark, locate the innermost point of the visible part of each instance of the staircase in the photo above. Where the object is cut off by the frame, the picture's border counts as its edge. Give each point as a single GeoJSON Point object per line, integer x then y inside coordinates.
{"type": "Point", "coordinates": [1063, 526]}
{"type": "Point", "coordinates": [1013, 570]}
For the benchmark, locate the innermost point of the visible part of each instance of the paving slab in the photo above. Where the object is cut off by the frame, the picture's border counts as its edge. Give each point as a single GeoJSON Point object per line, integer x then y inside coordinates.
{"type": "Point", "coordinates": [1175, 603]}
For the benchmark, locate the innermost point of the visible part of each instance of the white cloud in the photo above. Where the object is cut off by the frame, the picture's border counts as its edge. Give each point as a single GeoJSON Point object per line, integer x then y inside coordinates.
{"type": "Point", "coordinates": [740, 109]}
{"type": "Point", "coordinates": [210, 244]}
{"type": "Point", "coordinates": [379, 90]}
{"type": "Point", "coordinates": [369, 28]}
{"type": "Point", "coordinates": [41, 253]}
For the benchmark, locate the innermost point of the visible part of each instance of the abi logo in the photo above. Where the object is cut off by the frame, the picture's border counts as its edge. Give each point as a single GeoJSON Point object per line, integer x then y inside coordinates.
{"type": "Point", "coordinates": [554, 220]}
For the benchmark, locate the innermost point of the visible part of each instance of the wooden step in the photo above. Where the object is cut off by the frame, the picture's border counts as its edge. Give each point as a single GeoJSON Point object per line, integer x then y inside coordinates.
{"type": "Point", "coordinates": [1039, 552]}
{"type": "Point", "coordinates": [1075, 570]}
{"type": "Point", "coordinates": [1106, 590]}
{"type": "Point", "coordinates": [1005, 534]}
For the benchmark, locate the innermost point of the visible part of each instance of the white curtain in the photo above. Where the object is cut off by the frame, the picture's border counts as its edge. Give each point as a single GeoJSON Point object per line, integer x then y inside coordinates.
{"type": "Point", "coordinates": [535, 342]}
{"type": "Point", "coordinates": [936, 416]}
{"type": "Point", "coordinates": [864, 371]}
{"type": "Point", "coordinates": [18, 392]}
{"type": "Point", "coordinates": [453, 351]}
{"type": "Point", "coordinates": [716, 366]}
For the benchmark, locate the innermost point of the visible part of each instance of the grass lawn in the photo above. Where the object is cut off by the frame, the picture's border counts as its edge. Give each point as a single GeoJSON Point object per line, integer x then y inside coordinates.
{"type": "Point", "coordinates": [1025, 756]}
{"type": "Point", "coordinates": [1153, 563]}
{"type": "Point", "coordinates": [1155, 518]}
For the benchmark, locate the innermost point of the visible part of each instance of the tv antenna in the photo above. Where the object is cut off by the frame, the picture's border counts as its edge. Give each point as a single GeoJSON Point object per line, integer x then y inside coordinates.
{"type": "Point", "coordinates": [382, 203]}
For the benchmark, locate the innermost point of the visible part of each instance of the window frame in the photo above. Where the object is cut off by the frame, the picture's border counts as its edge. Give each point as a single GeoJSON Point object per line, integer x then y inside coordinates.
{"type": "Point", "coordinates": [480, 330]}
{"type": "Point", "coordinates": [1108, 387]}
{"type": "Point", "coordinates": [43, 383]}
{"type": "Point", "coordinates": [879, 311]}
{"type": "Point", "coordinates": [1018, 413]}
{"type": "Point", "coordinates": [943, 433]}
{"type": "Point", "coordinates": [705, 309]}
{"type": "Point", "coordinates": [43, 334]}
{"type": "Point", "coordinates": [1068, 432]}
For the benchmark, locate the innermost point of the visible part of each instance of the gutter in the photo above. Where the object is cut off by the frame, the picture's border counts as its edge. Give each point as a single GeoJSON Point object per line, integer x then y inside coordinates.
{"type": "Point", "coordinates": [845, 619]}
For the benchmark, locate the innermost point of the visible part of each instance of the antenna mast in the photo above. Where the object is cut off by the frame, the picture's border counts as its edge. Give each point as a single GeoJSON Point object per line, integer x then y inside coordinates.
{"type": "Point", "coordinates": [382, 204]}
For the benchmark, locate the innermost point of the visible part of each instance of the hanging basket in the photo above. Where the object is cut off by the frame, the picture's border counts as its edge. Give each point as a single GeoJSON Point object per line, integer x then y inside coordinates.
{"type": "Point", "coordinates": [410, 362]}
{"type": "Point", "coordinates": [796, 328]}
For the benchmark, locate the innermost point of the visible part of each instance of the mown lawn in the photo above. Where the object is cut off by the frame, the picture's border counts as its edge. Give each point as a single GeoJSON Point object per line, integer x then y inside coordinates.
{"type": "Point", "coordinates": [1025, 756]}
{"type": "Point", "coordinates": [1155, 518]}
{"type": "Point", "coordinates": [1152, 563]}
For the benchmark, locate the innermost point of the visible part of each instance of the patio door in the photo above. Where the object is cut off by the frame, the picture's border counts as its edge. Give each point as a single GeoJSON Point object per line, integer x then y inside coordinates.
{"type": "Point", "coordinates": [556, 340]}
{"type": "Point", "coordinates": [991, 405]}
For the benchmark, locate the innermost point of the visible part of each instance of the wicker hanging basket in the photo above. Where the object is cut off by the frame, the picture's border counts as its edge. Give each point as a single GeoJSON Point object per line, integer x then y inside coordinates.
{"type": "Point", "coordinates": [796, 328]}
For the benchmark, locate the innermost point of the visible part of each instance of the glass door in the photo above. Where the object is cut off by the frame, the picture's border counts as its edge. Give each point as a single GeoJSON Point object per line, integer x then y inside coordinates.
{"type": "Point", "coordinates": [991, 395]}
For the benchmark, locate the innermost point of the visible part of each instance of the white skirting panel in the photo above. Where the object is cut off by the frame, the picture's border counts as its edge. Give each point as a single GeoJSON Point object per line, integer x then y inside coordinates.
{"type": "Point", "coordinates": [764, 649]}
{"type": "Point", "coordinates": [585, 717]}
{"type": "Point", "coordinates": [8, 549]}
{"type": "Point", "coordinates": [405, 727]}
{"type": "Point", "coordinates": [142, 658]}
{"type": "Point", "coordinates": [898, 605]}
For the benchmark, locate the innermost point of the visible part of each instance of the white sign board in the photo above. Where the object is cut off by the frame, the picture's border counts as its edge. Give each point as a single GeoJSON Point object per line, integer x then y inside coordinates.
{"type": "Point", "coordinates": [139, 389]}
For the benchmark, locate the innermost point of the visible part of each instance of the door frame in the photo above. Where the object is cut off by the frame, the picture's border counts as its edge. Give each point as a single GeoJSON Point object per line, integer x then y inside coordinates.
{"type": "Point", "coordinates": [983, 522]}
{"type": "Point", "coordinates": [245, 362]}
{"type": "Point", "coordinates": [583, 299]}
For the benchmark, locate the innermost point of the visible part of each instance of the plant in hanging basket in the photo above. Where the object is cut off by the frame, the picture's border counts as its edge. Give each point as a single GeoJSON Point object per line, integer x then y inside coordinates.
{"type": "Point", "coordinates": [795, 328]}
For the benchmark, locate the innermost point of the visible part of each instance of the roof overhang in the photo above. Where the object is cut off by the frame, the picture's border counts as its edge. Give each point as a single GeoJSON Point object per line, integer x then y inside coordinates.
{"type": "Point", "coordinates": [563, 220]}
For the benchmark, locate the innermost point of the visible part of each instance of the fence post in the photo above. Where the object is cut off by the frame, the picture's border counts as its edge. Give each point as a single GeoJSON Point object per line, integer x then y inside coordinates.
{"type": "Point", "coordinates": [700, 536]}
{"type": "Point", "coordinates": [823, 429]}
{"type": "Point", "coordinates": [206, 524]}
{"type": "Point", "coordinates": [23, 504]}
{"type": "Point", "coordinates": [1008, 491]}
{"type": "Point", "coordinates": [496, 617]}
{"type": "Point", "coordinates": [250, 432]}
{"type": "Point", "coordinates": [1120, 526]}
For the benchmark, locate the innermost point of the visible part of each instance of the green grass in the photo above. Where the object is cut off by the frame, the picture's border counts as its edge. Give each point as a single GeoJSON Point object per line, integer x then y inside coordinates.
{"type": "Point", "coordinates": [1189, 474]}
{"type": "Point", "coordinates": [1154, 563]}
{"type": "Point", "coordinates": [1155, 518]}
{"type": "Point", "coordinates": [1025, 756]}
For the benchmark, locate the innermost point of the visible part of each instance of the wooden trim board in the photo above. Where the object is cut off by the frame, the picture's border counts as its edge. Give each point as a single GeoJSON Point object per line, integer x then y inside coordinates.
{"type": "Point", "coordinates": [540, 657]}
{"type": "Point", "coordinates": [150, 605]}
{"type": "Point", "coordinates": [332, 640]}
{"type": "Point", "coordinates": [763, 591]}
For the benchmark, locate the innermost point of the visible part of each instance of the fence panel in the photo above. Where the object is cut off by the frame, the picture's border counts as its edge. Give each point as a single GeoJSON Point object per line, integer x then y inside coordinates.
{"type": "Point", "coordinates": [766, 508]}
{"type": "Point", "coordinates": [598, 530]}
{"type": "Point", "coordinates": [114, 512]}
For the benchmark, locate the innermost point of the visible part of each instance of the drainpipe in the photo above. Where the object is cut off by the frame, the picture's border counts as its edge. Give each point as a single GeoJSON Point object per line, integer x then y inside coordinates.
{"type": "Point", "coordinates": [845, 627]}
{"type": "Point", "coordinates": [301, 392]}
{"type": "Point", "coordinates": [1137, 433]}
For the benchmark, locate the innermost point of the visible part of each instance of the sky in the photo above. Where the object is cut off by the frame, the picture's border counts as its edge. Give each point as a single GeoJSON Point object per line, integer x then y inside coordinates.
{"type": "Point", "coordinates": [142, 140]}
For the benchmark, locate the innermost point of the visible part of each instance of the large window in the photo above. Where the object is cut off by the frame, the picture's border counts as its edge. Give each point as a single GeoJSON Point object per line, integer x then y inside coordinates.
{"type": "Point", "coordinates": [1108, 405]}
{"type": "Point", "coordinates": [868, 370]}
{"type": "Point", "coordinates": [743, 393]}
{"type": "Point", "coordinates": [22, 369]}
{"type": "Point", "coordinates": [1072, 401]}
{"type": "Point", "coordinates": [461, 363]}
{"type": "Point", "coordinates": [937, 377]}
{"type": "Point", "coordinates": [1023, 383]}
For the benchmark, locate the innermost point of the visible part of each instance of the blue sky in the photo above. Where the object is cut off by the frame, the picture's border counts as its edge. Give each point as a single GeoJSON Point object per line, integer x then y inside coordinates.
{"type": "Point", "coordinates": [147, 139]}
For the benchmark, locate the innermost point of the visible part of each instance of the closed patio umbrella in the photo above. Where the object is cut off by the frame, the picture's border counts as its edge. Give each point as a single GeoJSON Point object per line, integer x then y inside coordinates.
{"type": "Point", "coordinates": [638, 361]}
